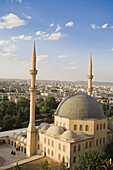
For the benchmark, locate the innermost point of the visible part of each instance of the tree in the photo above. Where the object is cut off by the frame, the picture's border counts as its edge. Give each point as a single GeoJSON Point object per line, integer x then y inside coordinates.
{"type": "Point", "coordinates": [16, 167]}
{"type": "Point", "coordinates": [62, 165]}
{"type": "Point", "coordinates": [109, 150]}
{"type": "Point", "coordinates": [91, 160]}
{"type": "Point", "coordinates": [8, 122]}
{"type": "Point", "coordinates": [44, 165]}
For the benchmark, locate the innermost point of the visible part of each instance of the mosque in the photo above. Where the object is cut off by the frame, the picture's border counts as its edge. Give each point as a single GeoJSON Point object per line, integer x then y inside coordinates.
{"type": "Point", "coordinates": [79, 124]}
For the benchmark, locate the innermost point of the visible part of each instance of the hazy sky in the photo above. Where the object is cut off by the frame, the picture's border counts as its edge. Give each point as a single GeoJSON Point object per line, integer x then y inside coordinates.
{"type": "Point", "coordinates": [66, 31]}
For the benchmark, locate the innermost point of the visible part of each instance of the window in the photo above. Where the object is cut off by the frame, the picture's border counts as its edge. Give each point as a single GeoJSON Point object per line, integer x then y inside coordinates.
{"type": "Point", "coordinates": [86, 146]}
{"type": "Point", "coordinates": [75, 127]}
{"type": "Point", "coordinates": [104, 126]}
{"type": "Point", "coordinates": [97, 127]}
{"type": "Point", "coordinates": [64, 148]}
{"type": "Point", "coordinates": [52, 153]}
{"type": "Point", "coordinates": [87, 128]}
{"type": "Point", "coordinates": [63, 158]}
{"type": "Point", "coordinates": [59, 157]}
{"type": "Point", "coordinates": [52, 143]}
{"type": "Point", "coordinates": [79, 147]}
{"type": "Point", "coordinates": [100, 141]}
{"type": "Point", "coordinates": [97, 142]}
{"type": "Point", "coordinates": [90, 144]}
{"type": "Point", "coordinates": [74, 149]}
{"type": "Point", "coordinates": [103, 139]}
{"type": "Point", "coordinates": [45, 140]}
{"type": "Point", "coordinates": [59, 146]}
{"type": "Point", "coordinates": [48, 141]}
{"type": "Point", "coordinates": [38, 138]}
{"type": "Point", "coordinates": [44, 149]}
{"type": "Point", "coordinates": [38, 146]}
{"type": "Point", "coordinates": [74, 159]}
{"type": "Point", "coordinates": [81, 127]}
{"type": "Point", "coordinates": [48, 151]}
{"type": "Point", "coordinates": [100, 126]}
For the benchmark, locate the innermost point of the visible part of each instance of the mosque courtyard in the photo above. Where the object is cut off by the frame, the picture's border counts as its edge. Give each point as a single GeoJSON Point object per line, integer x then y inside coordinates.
{"type": "Point", "coordinates": [6, 157]}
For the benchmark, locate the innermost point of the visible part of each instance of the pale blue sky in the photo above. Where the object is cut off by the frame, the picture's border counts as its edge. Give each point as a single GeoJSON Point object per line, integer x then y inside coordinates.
{"type": "Point", "coordinates": [66, 31]}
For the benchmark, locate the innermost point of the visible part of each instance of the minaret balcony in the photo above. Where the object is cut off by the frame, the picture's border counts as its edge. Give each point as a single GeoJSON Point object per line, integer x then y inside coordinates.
{"type": "Point", "coordinates": [89, 76]}
{"type": "Point", "coordinates": [33, 89]}
{"type": "Point", "coordinates": [33, 72]}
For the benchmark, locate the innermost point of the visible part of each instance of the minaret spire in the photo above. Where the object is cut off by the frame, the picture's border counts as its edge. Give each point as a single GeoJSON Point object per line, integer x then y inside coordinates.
{"type": "Point", "coordinates": [31, 131]}
{"type": "Point", "coordinates": [90, 77]}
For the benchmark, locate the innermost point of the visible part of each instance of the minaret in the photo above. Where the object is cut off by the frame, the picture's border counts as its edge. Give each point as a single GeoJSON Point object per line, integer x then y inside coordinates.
{"type": "Point", "coordinates": [90, 77]}
{"type": "Point", "coordinates": [31, 131]}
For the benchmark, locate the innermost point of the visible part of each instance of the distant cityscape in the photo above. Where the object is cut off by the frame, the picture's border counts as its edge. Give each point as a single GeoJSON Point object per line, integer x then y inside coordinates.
{"type": "Point", "coordinates": [14, 89]}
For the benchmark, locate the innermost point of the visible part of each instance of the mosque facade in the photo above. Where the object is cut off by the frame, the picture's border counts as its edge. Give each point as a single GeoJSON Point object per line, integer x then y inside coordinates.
{"type": "Point", "coordinates": [79, 124]}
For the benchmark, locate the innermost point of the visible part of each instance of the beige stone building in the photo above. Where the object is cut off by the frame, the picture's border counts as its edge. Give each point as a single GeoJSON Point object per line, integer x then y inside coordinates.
{"type": "Point", "coordinates": [79, 124]}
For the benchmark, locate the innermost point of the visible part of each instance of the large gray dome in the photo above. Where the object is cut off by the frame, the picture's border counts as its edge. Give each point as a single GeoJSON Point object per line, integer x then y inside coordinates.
{"type": "Point", "coordinates": [80, 106]}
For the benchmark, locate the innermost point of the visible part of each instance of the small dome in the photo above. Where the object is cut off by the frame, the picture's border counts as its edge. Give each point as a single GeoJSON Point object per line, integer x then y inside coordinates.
{"type": "Point", "coordinates": [69, 134]}
{"type": "Point", "coordinates": [20, 133]}
{"type": "Point", "coordinates": [25, 141]}
{"type": "Point", "coordinates": [22, 139]}
{"type": "Point", "coordinates": [44, 127]}
{"type": "Point", "coordinates": [16, 136]}
{"type": "Point", "coordinates": [55, 130]}
{"type": "Point", "coordinates": [110, 125]}
{"type": "Point", "coordinates": [80, 106]}
{"type": "Point", "coordinates": [13, 134]}
{"type": "Point", "coordinates": [19, 137]}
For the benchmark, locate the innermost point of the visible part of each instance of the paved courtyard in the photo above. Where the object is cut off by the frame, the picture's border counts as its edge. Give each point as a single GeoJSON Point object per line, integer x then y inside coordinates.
{"type": "Point", "coordinates": [5, 153]}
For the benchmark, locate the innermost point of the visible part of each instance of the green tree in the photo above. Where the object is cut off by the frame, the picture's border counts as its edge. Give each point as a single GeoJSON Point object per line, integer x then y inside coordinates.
{"type": "Point", "coordinates": [11, 108]}
{"type": "Point", "coordinates": [62, 165]}
{"type": "Point", "coordinates": [109, 150]}
{"type": "Point", "coordinates": [44, 165]}
{"type": "Point", "coordinates": [16, 167]}
{"type": "Point", "coordinates": [91, 160]}
{"type": "Point", "coordinates": [7, 122]}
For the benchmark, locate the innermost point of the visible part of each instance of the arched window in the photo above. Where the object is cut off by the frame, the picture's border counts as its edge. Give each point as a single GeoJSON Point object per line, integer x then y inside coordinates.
{"type": "Point", "coordinates": [63, 158]}
{"type": "Point", "coordinates": [52, 153]}
{"type": "Point", "coordinates": [97, 142]}
{"type": "Point", "coordinates": [74, 159]}
{"type": "Point", "coordinates": [75, 127]}
{"type": "Point", "coordinates": [97, 127]}
{"type": "Point", "coordinates": [48, 141]}
{"type": "Point", "coordinates": [38, 146]}
{"type": "Point", "coordinates": [59, 157]}
{"type": "Point", "coordinates": [45, 140]}
{"type": "Point", "coordinates": [104, 126]}
{"type": "Point", "coordinates": [87, 128]}
{"type": "Point", "coordinates": [59, 146]}
{"type": "Point", "coordinates": [90, 144]}
{"type": "Point", "coordinates": [22, 149]}
{"type": "Point", "coordinates": [48, 151]}
{"type": "Point", "coordinates": [100, 126]}
{"type": "Point", "coordinates": [52, 143]}
{"type": "Point", "coordinates": [103, 139]}
{"type": "Point", "coordinates": [79, 147]}
{"type": "Point", "coordinates": [100, 141]}
{"type": "Point", "coordinates": [74, 149]}
{"type": "Point", "coordinates": [64, 148]}
{"type": "Point", "coordinates": [81, 127]}
{"type": "Point", "coordinates": [86, 145]}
